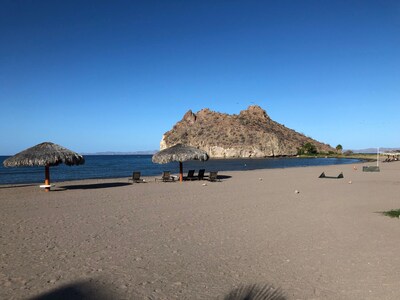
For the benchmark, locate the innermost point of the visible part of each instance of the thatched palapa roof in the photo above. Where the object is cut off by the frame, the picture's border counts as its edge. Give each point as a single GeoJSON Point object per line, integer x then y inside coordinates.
{"type": "Point", "coordinates": [44, 154]}
{"type": "Point", "coordinates": [179, 153]}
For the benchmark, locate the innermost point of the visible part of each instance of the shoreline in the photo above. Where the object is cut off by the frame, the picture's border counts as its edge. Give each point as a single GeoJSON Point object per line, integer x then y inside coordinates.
{"type": "Point", "coordinates": [8, 185]}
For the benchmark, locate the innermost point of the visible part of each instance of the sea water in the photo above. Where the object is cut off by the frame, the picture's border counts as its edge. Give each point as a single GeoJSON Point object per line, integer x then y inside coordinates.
{"type": "Point", "coordinates": [116, 166]}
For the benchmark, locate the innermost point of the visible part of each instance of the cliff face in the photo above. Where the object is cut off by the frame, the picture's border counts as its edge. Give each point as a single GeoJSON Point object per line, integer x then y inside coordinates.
{"type": "Point", "coordinates": [250, 134]}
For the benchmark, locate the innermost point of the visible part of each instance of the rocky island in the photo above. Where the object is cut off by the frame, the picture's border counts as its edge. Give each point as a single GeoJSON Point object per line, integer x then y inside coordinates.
{"type": "Point", "coordinates": [251, 133]}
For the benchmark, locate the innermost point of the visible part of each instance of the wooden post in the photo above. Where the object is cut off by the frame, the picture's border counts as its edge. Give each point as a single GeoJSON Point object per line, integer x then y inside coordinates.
{"type": "Point", "coordinates": [377, 157]}
{"type": "Point", "coordinates": [180, 171]}
{"type": "Point", "coordinates": [47, 179]}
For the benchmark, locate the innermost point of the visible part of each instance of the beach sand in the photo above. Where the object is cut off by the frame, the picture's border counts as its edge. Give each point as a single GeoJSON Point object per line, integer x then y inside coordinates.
{"type": "Point", "coordinates": [195, 241]}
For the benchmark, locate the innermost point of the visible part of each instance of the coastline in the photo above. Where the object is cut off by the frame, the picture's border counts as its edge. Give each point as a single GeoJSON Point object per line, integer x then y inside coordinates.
{"type": "Point", "coordinates": [189, 240]}
{"type": "Point", "coordinates": [122, 166]}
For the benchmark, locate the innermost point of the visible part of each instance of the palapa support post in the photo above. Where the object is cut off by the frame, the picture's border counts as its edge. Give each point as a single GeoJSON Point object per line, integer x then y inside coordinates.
{"type": "Point", "coordinates": [47, 179]}
{"type": "Point", "coordinates": [180, 171]}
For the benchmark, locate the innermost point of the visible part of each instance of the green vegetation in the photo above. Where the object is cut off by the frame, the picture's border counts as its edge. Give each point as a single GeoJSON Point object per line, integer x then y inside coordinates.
{"type": "Point", "coordinates": [362, 156]}
{"type": "Point", "coordinates": [310, 149]}
{"type": "Point", "coordinates": [394, 213]}
{"type": "Point", "coordinates": [307, 149]}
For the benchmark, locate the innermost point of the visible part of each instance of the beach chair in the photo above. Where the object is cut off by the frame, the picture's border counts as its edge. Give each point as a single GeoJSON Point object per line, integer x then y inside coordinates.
{"type": "Point", "coordinates": [166, 177]}
{"type": "Point", "coordinates": [136, 178]}
{"type": "Point", "coordinates": [200, 175]}
{"type": "Point", "coordinates": [214, 176]}
{"type": "Point", "coordinates": [190, 175]}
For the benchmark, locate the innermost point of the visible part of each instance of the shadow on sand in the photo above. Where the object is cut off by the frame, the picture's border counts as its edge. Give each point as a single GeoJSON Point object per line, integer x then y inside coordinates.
{"type": "Point", "coordinates": [16, 186]}
{"type": "Point", "coordinates": [91, 186]}
{"type": "Point", "coordinates": [224, 176]}
{"type": "Point", "coordinates": [78, 291]}
{"type": "Point", "coordinates": [89, 290]}
{"type": "Point", "coordinates": [219, 176]}
{"type": "Point", "coordinates": [256, 292]}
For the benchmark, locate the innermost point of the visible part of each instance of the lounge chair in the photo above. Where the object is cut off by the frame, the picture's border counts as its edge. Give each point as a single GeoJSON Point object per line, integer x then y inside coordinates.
{"type": "Point", "coordinates": [166, 177]}
{"type": "Point", "coordinates": [190, 175]}
{"type": "Point", "coordinates": [214, 176]}
{"type": "Point", "coordinates": [200, 175]}
{"type": "Point", "coordinates": [136, 178]}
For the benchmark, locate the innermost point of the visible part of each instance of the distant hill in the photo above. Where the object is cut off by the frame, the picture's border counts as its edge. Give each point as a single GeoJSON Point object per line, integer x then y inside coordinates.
{"type": "Point", "coordinates": [374, 150]}
{"type": "Point", "coordinates": [150, 152]}
{"type": "Point", "coordinates": [251, 133]}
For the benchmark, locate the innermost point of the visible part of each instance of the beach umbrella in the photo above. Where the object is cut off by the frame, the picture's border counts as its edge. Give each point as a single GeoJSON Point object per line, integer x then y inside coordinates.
{"type": "Point", "coordinates": [179, 153]}
{"type": "Point", "coordinates": [47, 155]}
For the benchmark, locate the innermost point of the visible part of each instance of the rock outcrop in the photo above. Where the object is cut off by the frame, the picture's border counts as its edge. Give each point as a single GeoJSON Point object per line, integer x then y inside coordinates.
{"type": "Point", "coordinates": [252, 133]}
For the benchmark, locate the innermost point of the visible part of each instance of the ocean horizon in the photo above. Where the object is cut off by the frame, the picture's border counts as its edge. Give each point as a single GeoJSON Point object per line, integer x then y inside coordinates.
{"type": "Point", "coordinates": [117, 166]}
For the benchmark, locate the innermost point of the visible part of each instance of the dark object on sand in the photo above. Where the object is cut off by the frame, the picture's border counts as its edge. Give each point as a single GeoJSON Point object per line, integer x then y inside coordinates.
{"type": "Point", "coordinates": [166, 177]}
{"type": "Point", "coordinates": [45, 154]}
{"type": "Point", "coordinates": [179, 153]}
{"type": "Point", "coordinates": [190, 175]}
{"type": "Point", "coordinates": [256, 292]}
{"type": "Point", "coordinates": [136, 178]}
{"type": "Point", "coordinates": [214, 176]}
{"type": "Point", "coordinates": [371, 169]}
{"type": "Point", "coordinates": [333, 177]}
{"type": "Point", "coordinates": [91, 289]}
{"type": "Point", "coordinates": [199, 176]}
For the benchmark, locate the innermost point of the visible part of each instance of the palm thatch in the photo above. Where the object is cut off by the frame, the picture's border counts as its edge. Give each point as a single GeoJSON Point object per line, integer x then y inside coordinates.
{"type": "Point", "coordinates": [44, 154]}
{"type": "Point", "coordinates": [179, 153]}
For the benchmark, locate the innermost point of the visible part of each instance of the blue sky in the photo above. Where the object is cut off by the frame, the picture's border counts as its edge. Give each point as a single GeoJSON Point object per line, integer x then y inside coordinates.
{"type": "Point", "coordinates": [115, 75]}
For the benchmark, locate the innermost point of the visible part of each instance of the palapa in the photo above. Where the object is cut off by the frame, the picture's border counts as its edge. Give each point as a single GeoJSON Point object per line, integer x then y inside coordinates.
{"type": "Point", "coordinates": [45, 154]}
{"type": "Point", "coordinates": [179, 153]}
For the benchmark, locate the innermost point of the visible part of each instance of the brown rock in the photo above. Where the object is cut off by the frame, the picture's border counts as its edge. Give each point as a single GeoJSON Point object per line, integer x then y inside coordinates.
{"type": "Point", "coordinates": [252, 133]}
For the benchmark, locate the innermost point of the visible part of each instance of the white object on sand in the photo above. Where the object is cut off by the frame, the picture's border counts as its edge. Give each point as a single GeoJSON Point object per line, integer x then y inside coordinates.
{"type": "Point", "coordinates": [43, 186]}
{"type": "Point", "coordinates": [296, 192]}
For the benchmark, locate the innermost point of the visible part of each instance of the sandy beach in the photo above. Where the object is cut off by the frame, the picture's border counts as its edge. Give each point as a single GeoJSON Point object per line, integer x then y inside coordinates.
{"type": "Point", "coordinates": [195, 241]}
